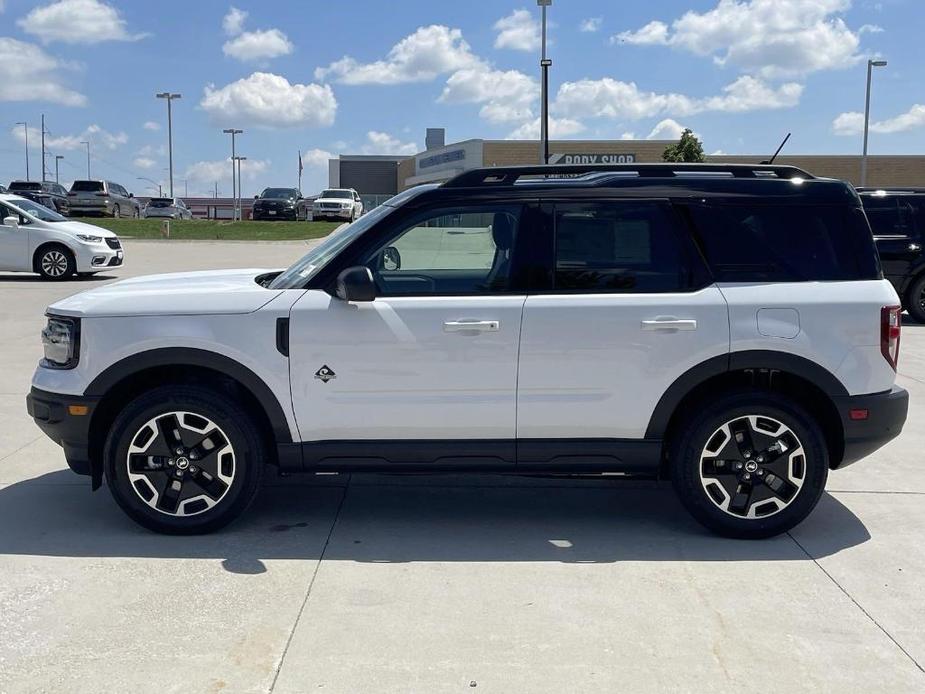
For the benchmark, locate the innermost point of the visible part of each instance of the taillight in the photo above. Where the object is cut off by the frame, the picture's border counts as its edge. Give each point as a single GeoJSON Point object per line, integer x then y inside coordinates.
{"type": "Point", "coordinates": [102, 195]}
{"type": "Point", "coordinates": [890, 329]}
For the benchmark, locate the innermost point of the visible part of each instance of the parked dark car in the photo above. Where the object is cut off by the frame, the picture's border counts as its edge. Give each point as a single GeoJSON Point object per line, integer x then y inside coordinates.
{"type": "Point", "coordinates": [47, 193]}
{"type": "Point", "coordinates": [280, 203]}
{"type": "Point", "coordinates": [897, 218]}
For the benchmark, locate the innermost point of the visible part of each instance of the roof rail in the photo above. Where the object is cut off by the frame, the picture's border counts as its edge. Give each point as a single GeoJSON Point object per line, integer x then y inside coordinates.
{"type": "Point", "coordinates": [889, 189]}
{"type": "Point", "coordinates": [508, 175]}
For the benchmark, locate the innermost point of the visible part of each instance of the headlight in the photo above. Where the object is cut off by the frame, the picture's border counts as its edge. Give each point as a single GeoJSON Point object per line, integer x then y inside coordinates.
{"type": "Point", "coordinates": [90, 239]}
{"type": "Point", "coordinates": [346, 205]}
{"type": "Point", "coordinates": [61, 340]}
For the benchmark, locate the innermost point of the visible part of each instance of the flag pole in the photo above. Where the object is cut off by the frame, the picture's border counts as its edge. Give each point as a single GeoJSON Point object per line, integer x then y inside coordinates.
{"type": "Point", "coordinates": [300, 170]}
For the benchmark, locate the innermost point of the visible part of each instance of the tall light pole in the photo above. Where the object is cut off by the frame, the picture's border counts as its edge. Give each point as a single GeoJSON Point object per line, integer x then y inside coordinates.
{"type": "Point", "coordinates": [88, 156]}
{"type": "Point", "coordinates": [871, 64]}
{"type": "Point", "coordinates": [58, 157]}
{"type": "Point", "coordinates": [240, 192]}
{"type": "Point", "coordinates": [545, 64]}
{"type": "Point", "coordinates": [234, 196]}
{"type": "Point", "coordinates": [170, 97]}
{"type": "Point", "coordinates": [25, 130]}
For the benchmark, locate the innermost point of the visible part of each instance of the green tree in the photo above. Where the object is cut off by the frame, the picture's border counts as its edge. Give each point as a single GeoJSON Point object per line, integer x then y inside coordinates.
{"type": "Point", "coordinates": [688, 149]}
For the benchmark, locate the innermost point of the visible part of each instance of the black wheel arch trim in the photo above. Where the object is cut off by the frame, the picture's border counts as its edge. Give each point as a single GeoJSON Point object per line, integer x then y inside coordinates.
{"type": "Point", "coordinates": [745, 360]}
{"type": "Point", "coordinates": [187, 356]}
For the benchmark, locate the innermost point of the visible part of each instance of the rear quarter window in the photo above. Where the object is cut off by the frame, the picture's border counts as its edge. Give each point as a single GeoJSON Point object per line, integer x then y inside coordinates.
{"type": "Point", "coordinates": [785, 243]}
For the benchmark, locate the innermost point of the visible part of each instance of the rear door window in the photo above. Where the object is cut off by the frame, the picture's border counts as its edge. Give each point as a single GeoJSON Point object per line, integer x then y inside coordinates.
{"type": "Point", "coordinates": [785, 243]}
{"type": "Point", "coordinates": [892, 215]}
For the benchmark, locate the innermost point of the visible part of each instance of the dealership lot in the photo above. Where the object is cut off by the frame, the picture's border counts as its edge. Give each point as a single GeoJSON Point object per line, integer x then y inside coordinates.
{"type": "Point", "coordinates": [445, 583]}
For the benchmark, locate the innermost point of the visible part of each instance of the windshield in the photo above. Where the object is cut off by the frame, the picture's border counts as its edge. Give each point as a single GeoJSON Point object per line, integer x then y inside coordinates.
{"type": "Point", "coordinates": [312, 262]}
{"type": "Point", "coordinates": [86, 186]}
{"type": "Point", "coordinates": [337, 194]}
{"type": "Point", "coordinates": [38, 211]}
{"type": "Point", "coordinates": [25, 185]}
{"type": "Point", "coordinates": [280, 193]}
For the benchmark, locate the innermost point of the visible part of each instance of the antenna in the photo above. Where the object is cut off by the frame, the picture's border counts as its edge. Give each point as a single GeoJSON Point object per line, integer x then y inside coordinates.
{"type": "Point", "coordinates": [771, 160]}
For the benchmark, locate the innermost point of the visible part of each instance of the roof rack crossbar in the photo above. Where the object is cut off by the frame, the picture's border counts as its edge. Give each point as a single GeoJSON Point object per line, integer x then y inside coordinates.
{"type": "Point", "coordinates": [508, 175]}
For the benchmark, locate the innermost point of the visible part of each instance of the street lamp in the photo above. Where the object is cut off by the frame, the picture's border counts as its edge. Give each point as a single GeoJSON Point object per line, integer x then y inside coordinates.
{"type": "Point", "coordinates": [545, 64]}
{"type": "Point", "coordinates": [170, 97]}
{"type": "Point", "coordinates": [234, 196]}
{"type": "Point", "coordinates": [58, 157]}
{"type": "Point", "coordinates": [25, 130]}
{"type": "Point", "coordinates": [88, 156]}
{"type": "Point", "coordinates": [240, 192]}
{"type": "Point", "coordinates": [871, 64]}
{"type": "Point", "coordinates": [160, 191]}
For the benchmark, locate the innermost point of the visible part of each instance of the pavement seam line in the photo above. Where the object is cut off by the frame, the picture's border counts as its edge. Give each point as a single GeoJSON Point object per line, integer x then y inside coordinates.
{"type": "Point", "coordinates": [857, 604]}
{"type": "Point", "coordinates": [311, 584]}
{"type": "Point", "coordinates": [21, 448]}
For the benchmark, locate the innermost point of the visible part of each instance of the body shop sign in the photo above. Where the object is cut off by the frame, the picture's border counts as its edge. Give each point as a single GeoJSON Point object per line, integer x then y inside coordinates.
{"type": "Point", "coordinates": [592, 158]}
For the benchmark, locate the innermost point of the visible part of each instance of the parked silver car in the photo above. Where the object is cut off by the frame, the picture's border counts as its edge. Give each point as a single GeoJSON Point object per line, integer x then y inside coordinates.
{"type": "Point", "coordinates": [102, 198]}
{"type": "Point", "coordinates": [168, 208]}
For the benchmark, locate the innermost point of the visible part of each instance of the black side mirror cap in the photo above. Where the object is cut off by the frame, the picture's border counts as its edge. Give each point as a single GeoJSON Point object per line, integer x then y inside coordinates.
{"type": "Point", "coordinates": [356, 284]}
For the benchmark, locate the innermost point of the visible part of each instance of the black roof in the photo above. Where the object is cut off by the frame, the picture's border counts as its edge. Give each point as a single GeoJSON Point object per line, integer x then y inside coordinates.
{"type": "Point", "coordinates": [890, 190]}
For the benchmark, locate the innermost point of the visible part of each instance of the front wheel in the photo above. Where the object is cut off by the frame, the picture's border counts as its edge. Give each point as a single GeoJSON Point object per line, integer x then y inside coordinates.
{"type": "Point", "coordinates": [55, 263]}
{"type": "Point", "coordinates": [752, 465]}
{"type": "Point", "coordinates": [183, 460]}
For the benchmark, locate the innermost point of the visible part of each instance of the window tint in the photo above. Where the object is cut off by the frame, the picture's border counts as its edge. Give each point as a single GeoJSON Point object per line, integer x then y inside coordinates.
{"type": "Point", "coordinates": [448, 252]}
{"type": "Point", "coordinates": [619, 247]}
{"type": "Point", "coordinates": [786, 243]}
{"type": "Point", "coordinates": [893, 215]}
{"type": "Point", "coordinates": [87, 186]}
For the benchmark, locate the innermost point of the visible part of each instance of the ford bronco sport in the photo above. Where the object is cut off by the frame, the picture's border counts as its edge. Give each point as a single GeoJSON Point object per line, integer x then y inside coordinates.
{"type": "Point", "coordinates": [726, 327]}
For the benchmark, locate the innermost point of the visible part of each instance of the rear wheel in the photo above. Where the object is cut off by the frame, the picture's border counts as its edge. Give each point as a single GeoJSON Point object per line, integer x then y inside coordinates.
{"type": "Point", "coordinates": [752, 465]}
{"type": "Point", "coordinates": [55, 262]}
{"type": "Point", "coordinates": [916, 303]}
{"type": "Point", "coordinates": [116, 212]}
{"type": "Point", "coordinates": [184, 460]}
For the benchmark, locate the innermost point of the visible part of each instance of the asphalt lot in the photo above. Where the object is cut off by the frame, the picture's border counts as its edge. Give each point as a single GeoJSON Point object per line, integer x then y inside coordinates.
{"type": "Point", "coordinates": [445, 583]}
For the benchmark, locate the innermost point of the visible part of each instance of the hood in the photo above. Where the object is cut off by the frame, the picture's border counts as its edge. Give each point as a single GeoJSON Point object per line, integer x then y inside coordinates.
{"type": "Point", "coordinates": [71, 227]}
{"type": "Point", "coordinates": [181, 293]}
{"type": "Point", "coordinates": [259, 200]}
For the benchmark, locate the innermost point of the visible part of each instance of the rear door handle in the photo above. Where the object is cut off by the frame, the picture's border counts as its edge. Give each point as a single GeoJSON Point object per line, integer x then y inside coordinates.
{"type": "Point", "coordinates": [670, 323]}
{"type": "Point", "coordinates": [480, 326]}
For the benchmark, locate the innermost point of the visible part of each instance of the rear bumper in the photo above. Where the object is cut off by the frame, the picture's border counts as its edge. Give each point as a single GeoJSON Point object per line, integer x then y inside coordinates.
{"type": "Point", "coordinates": [886, 415]}
{"type": "Point", "coordinates": [71, 432]}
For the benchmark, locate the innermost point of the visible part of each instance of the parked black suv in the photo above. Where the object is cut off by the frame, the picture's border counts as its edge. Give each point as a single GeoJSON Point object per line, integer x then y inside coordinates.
{"type": "Point", "coordinates": [897, 218]}
{"type": "Point", "coordinates": [280, 203]}
{"type": "Point", "coordinates": [47, 193]}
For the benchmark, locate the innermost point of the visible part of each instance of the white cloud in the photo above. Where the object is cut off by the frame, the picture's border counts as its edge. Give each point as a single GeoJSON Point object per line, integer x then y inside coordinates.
{"type": "Point", "coordinates": [97, 136]}
{"type": "Point", "coordinates": [591, 24]}
{"type": "Point", "coordinates": [506, 95]}
{"type": "Point", "coordinates": [144, 163]}
{"type": "Point", "coordinates": [771, 38]}
{"type": "Point", "coordinates": [269, 100]}
{"type": "Point", "coordinates": [871, 29]}
{"type": "Point", "coordinates": [233, 22]}
{"type": "Point", "coordinates": [558, 128]}
{"type": "Point", "coordinates": [28, 73]}
{"type": "Point", "coordinates": [610, 98]}
{"type": "Point", "coordinates": [383, 143]}
{"type": "Point", "coordinates": [667, 129]}
{"type": "Point", "coordinates": [853, 123]}
{"type": "Point", "coordinates": [209, 171]}
{"type": "Point", "coordinates": [152, 150]}
{"type": "Point", "coordinates": [519, 31]}
{"type": "Point", "coordinates": [77, 21]}
{"type": "Point", "coordinates": [427, 53]}
{"type": "Point", "coordinates": [316, 158]}
{"type": "Point", "coordinates": [628, 136]}
{"type": "Point", "coordinates": [151, 125]}
{"type": "Point", "coordinates": [258, 45]}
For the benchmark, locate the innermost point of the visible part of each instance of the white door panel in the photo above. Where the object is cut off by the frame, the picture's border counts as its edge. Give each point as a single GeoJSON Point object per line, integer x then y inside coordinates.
{"type": "Point", "coordinates": [405, 367]}
{"type": "Point", "coordinates": [14, 248]}
{"type": "Point", "coordinates": [595, 365]}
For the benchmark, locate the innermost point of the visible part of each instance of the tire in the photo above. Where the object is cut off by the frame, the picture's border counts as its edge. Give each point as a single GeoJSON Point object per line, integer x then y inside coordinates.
{"type": "Point", "coordinates": [55, 262]}
{"type": "Point", "coordinates": [217, 481]}
{"type": "Point", "coordinates": [915, 304]}
{"type": "Point", "coordinates": [755, 496]}
{"type": "Point", "coordinates": [116, 212]}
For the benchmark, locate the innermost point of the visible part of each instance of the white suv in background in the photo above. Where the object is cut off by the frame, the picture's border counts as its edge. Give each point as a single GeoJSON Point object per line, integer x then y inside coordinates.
{"type": "Point", "coordinates": [337, 204]}
{"type": "Point", "coordinates": [33, 238]}
{"type": "Point", "coordinates": [727, 327]}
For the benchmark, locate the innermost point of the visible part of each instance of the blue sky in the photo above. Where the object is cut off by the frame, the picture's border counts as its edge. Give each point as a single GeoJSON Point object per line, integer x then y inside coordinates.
{"type": "Point", "coordinates": [369, 77]}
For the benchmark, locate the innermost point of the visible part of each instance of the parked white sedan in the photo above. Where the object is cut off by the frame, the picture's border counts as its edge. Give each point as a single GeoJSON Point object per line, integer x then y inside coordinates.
{"type": "Point", "coordinates": [34, 238]}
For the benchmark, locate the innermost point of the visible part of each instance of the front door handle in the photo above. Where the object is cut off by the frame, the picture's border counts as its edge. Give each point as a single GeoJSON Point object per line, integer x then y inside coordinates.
{"type": "Point", "coordinates": [480, 326]}
{"type": "Point", "coordinates": [670, 323]}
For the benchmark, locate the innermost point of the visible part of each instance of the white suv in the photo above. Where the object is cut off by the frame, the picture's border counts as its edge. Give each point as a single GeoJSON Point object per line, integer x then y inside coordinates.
{"type": "Point", "coordinates": [726, 327]}
{"type": "Point", "coordinates": [338, 204]}
{"type": "Point", "coordinates": [34, 238]}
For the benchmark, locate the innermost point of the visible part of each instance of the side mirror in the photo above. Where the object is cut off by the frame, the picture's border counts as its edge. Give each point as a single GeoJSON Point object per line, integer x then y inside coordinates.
{"type": "Point", "coordinates": [356, 284]}
{"type": "Point", "coordinates": [131, 195]}
{"type": "Point", "coordinates": [11, 221]}
{"type": "Point", "coordinates": [391, 259]}
{"type": "Point", "coordinates": [256, 196]}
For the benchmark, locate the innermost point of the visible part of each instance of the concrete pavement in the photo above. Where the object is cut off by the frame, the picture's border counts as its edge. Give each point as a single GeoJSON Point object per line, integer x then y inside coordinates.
{"type": "Point", "coordinates": [445, 583]}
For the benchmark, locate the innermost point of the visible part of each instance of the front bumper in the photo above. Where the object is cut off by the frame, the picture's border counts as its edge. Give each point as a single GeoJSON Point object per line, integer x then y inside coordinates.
{"type": "Point", "coordinates": [52, 413]}
{"type": "Point", "coordinates": [278, 213]}
{"type": "Point", "coordinates": [332, 214]}
{"type": "Point", "coordinates": [886, 415]}
{"type": "Point", "coordinates": [99, 257]}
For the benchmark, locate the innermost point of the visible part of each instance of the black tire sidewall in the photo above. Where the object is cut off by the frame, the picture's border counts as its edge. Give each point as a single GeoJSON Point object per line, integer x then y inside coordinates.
{"type": "Point", "coordinates": [71, 269]}
{"type": "Point", "coordinates": [218, 407]}
{"type": "Point", "coordinates": [914, 297]}
{"type": "Point", "coordinates": [685, 462]}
